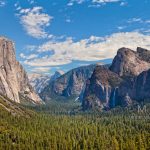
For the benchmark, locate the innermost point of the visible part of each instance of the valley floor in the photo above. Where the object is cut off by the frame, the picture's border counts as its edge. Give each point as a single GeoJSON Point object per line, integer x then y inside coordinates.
{"type": "Point", "coordinates": [115, 130]}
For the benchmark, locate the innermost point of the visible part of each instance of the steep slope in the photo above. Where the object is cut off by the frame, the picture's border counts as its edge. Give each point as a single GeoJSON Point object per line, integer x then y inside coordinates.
{"type": "Point", "coordinates": [69, 84]}
{"type": "Point", "coordinates": [101, 89]}
{"type": "Point", "coordinates": [7, 105]}
{"type": "Point", "coordinates": [13, 78]}
{"type": "Point", "coordinates": [126, 80]}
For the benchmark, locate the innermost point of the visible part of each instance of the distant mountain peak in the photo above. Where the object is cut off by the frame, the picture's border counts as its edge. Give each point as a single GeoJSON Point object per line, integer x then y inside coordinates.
{"type": "Point", "coordinates": [40, 81]}
{"type": "Point", "coordinates": [61, 72]}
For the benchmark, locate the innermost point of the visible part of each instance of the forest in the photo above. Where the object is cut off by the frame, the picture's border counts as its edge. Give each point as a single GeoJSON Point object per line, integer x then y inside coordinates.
{"type": "Point", "coordinates": [118, 129]}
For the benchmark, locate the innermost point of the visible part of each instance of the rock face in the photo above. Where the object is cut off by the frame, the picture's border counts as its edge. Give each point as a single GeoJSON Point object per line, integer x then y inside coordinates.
{"type": "Point", "coordinates": [69, 84]}
{"type": "Point", "coordinates": [144, 54]}
{"type": "Point", "coordinates": [101, 89]}
{"type": "Point", "coordinates": [39, 81]}
{"type": "Point", "coordinates": [13, 78]}
{"type": "Point", "coordinates": [142, 86]}
{"type": "Point", "coordinates": [127, 79]}
{"type": "Point", "coordinates": [130, 63]}
{"type": "Point", "coordinates": [137, 89]}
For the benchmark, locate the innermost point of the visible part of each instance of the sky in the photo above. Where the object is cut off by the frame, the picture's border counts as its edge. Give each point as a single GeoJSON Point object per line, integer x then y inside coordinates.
{"type": "Point", "coordinates": [52, 35]}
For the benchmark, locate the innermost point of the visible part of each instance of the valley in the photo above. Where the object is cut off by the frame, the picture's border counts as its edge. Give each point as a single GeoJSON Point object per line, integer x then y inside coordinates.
{"type": "Point", "coordinates": [117, 129]}
{"type": "Point", "coordinates": [99, 106]}
{"type": "Point", "coordinates": [74, 75]}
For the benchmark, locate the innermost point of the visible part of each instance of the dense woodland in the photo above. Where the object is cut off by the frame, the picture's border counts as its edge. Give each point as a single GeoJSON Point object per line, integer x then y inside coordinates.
{"type": "Point", "coordinates": [119, 129]}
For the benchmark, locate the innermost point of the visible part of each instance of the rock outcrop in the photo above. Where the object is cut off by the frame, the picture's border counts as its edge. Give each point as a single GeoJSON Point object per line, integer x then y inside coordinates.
{"type": "Point", "coordinates": [13, 78]}
{"type": "Point", "coordinates": [144, 54]}
{"type": "Point", "coordinates": [130, 63]}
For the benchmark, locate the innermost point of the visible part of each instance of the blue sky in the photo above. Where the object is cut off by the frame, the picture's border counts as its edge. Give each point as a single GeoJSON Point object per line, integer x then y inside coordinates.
{"type": "Point", "coordinates": [55, 35]}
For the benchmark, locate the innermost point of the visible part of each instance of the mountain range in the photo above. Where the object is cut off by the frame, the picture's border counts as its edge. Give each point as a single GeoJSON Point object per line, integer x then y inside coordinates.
{"type": "Point", "coordinates": [70, 84]}
{"type": "Point", "coordinates": [124, 82]}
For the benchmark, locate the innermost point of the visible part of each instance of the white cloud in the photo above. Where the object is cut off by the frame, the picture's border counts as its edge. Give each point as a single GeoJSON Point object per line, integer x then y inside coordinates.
{"type": "Point", "coordinates": [72, 2]}
{"type": "Point", "coordinates": [35, 21]}
{"type": "Point", "coordinates": [31, 56]}
{"type": "Point", "coordinates": [48, 61]}
{"type": "Point", "coordinates": [95, 3]}
{"type": "Point", "coordinates": [22, 55]}
{"type": "Point", "coordinates": [139, 20]}
{"type": "Point", "coordinates": [123, 4]}
{"type": "Point", "coordinates": [99, 3]}
{"type": "Point", "coordinates": [41, 69]}
{"type": "Point", "coordinates": [105, 1]}
{"type": "Point", "coordinates": [147, 21]}
{"type": "Point", "coordinates": [121, 27]}
{"type": "Point", "coordinates": [17, 6]}
{"type": "Point", "coordinates": [91, 49]}
{"type": "Point", "coordinates": [2, 3]}
{"type": "Point", "coordinates": [68, 20]}
{"type": "Point", "coordinates": [31, 1]}
{"type": "Point", "coordinates": [30, 47]}
{"type": "Point", "coordinates": [147, 31]}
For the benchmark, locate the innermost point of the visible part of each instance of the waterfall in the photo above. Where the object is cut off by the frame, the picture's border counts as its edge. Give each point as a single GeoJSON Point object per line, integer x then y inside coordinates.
{"type": "Point", "coordinates": [82, 93]}
{"type": "Point", "coordinates": [114, 98]}
{"type": "Point", "coordinates": [77, 99]}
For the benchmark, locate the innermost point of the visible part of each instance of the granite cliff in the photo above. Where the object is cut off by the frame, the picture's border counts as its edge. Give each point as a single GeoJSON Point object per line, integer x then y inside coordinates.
{"type": "Point", "coordinates": [14, 81]}
{"type": "Point", "coordinates": [126, 81]}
